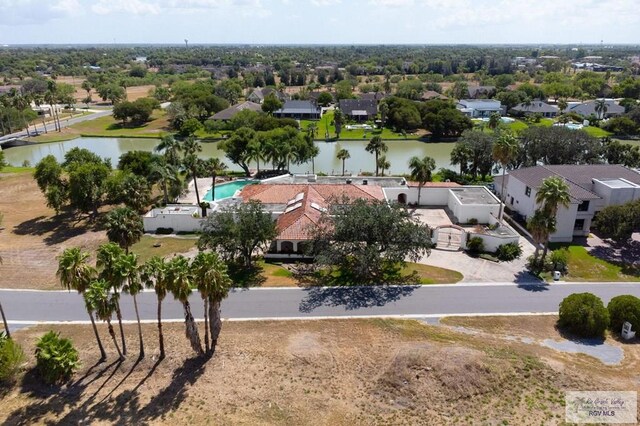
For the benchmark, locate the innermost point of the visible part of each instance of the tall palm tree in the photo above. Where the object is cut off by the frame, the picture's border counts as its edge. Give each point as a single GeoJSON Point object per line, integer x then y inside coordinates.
{"type": "Point", "coordinates": [384, 113]}
{"type": "Point", "coordinates": [601, 108]}
{"type": "Point", "coordinates": [553, 193]}
{"type": "Point", "coordinates": [421, 170]}
{"type": "Point", "coordinates": [505, 150]}
{"type": "Point", "coordinates": [562, 104]}
{"type": "Point", "coordinates": [376, 146]}
{"type": "Point", "coordinates": [338, 118]}
{"type": "Point", "coordinates": [104, 303]}
{"type": "Point", "coordinates": [255, 149]}
{"type": "Point", "coordinates": [540, 225]}
{"type": "Point", "coordinates": [154, 275]}
{"type": "Point", "coordinates": [214, 166]}
{"type": "Point", "coordinates": [383, 164]}
{"type": "Point", "coordinates": [124, 227]}
{"type": "Point", "coordinates": [75, 273]}
{"type": "Point", "coordinates": [171, 148]}
{"type": "Point", "coordinates": [163, 172]}
{"type": "Point", "coordinates": [343, 155]}
{"type": "Point", "coordinates": [180, 279]}
{"type": "Point", "coordinates": [108, 257]}
{"type": "Point", "coordinates": [494, 120]}
{"type": "Point", "coordinates": [127, 268]}
{"type": "Point", "coordinates": [460, 154]}
{"type": "Point", "coordinates": [191, 162]}
{"type": "Point", "coordinates": [214, 283]}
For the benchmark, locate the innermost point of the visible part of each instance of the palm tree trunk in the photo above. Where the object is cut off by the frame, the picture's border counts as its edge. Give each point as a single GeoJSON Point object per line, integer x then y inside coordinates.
{"type": "Point", "coordinates": [258, 163]}
{"type": "Point", "coordinates": [313, 166]}
{"type": "Point", "coordinates": [376, 164]}
{"type": "Point", "coordinates": [207, 348]}
{"type": "Point", "coordinates": [215, 323]}
{"type": "Point", "coordinates": [191, 329]}
{"type": "Point", "coordinates": [213, 187]}
{"type": "Point", "coordinates": [546, 249]}
{"type": "Point", "coordinates": [119, 315]}
{"type": "Point", "coordinates": [115, 341]}
{"type": "Point", "coordinates": [135, 306]}
{"type": "Point", "coordinates": [44, 124]}
{"type": "Point", "coordinates": [195, 185]}
{"type": "Point", "coordinates": [4, 321]}
{"type": "Point", "coordinates": [501, 212]}
{"type": "Point", "coordinates": [103, 354]}
{"type": "Point", "coordinates": [166, 192]}
{"type": "Point", "coordinates": [160, 335]}
{"type": "Point", "coordinates": [343, 167]}
{"type": "Point", "coordinates": [419, 193]}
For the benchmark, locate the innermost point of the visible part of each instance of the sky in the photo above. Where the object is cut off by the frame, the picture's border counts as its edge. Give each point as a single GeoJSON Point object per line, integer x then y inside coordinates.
{"type": "Point", "coordinates": [320, 21]}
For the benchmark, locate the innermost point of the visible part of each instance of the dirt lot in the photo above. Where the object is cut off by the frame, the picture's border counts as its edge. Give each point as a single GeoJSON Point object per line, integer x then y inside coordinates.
{"type": "Point", "coordinates": [31, 240]}
{"type": "Point", "coordinates": [133, 93]}
{"type": "Point", "coordinates": [321, 373]}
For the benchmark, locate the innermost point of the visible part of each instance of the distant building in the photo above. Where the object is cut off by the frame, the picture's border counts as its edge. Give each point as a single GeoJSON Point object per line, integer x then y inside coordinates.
{"type": "Point", "coordinates": [432, 94]}
{"type": "Point", "coordinates": [537, 107]}
{"type": "Point", "coordinates": [588, 108]}
{"type": "Point", "coordinates": [479, 108]}
{"type": "Point", "coordinates": [259, 94]}
{"type": "Point", "coordinates": [302, 110]}
{"type": "Point", "coordinates": [476, 92]}
{"type": "Point", "coordinates": [372, 96]}
{"type": "Point", "coordinates": [233, 110]}
{"type": "Point", "coordinates": [359, 109]}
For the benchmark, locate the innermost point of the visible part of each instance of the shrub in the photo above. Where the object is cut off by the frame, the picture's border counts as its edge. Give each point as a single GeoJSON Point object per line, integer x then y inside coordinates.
{"type": "Point", "coordinates": [624, 308]}
{"type": "Point", "coordinates": [475, 245]}
{"type": "Point", "coordinates": [559, 259]}
{"type": "Point", "coordinates": [509, 252]}
{"type": "Point", "coordinates": [164, 231]}
{"type": "Point", "coordinates": [583, 314]}
{"type": "Point", "coordinates": [56, 358]}
{"type": "Point", "coordinates": [473, 221]}
{"type": "Point", "coordinates": [11, 358]}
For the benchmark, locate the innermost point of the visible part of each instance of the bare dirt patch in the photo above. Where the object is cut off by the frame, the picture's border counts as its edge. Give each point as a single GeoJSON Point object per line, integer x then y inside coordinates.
{"type": "Point", "coordinates": [337, 372]}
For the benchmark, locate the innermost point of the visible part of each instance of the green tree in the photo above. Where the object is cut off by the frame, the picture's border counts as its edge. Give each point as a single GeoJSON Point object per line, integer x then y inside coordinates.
{"type": "Point", "coordinates": [191, 162]}
{"type": "Point", "coordinates": [214, 166]}
{"type": "Point", "coordinates": [376, 146]}
{"type": "Point", "coordinates": [619, 222]}
{"type": "Point", "coordinates": [325, 98]}
{"type": "Point", "coordinates": [180, 277]}
{"type": "Point", "coordinates": [124, 227]}
{"type": "Point", "coordinates": [237, 149]}
{"type": "Point", "coordinates": [624, 308]}
{"type": "Point", "coordinates": [584, 315]}
{"type": "Point", "coordinates": [166, 174]}
{"type": "Point", "coordinates": [343, 155]}
{"type": "Point", "coordinates": [366, 241]}
{"type": "Point", "coordinates": [505, 150]}
{"type": "Point", "coordinates": [75, 273]}
{"type": "Point", "coordinates": [338, 118]}
{"type": "Point", "coordinates": [383, 164]}
{"type": "Point", "coordinates": [421, 171]}
{"type": "Point", "coordinates": [171, 148]}
{"type": "Point", "coordinates": [87, 187]}
{"type": "Point", "coordinates": [540, 225]}
{"type": "Point", "coordinates": [475, 147]}
{"type": "Point", "coordinates": [271, 103]}
{"type": "Point", "coordinates": [127, 268]}
{"type": "Point", "coordinates": [601, 108]}
{"type": "Point", "coordinates": [553, 193]}
{"type": "Point", "coordinates": [154, 275]}
{"type": "Point", "coordinates": [104, 303]}
{"type": "Point", "coordinates": [238, 231]}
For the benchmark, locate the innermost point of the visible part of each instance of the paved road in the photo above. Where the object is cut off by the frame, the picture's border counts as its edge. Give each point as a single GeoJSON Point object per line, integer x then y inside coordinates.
{"type": "Point", "coordinates": [32, 306]}
{"type": "Point", "coordinates": [63, 122]}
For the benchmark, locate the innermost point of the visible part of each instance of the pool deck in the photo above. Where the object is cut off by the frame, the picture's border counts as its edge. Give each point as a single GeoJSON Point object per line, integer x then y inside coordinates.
{"type": "Point", "coordinates": [204, 184]}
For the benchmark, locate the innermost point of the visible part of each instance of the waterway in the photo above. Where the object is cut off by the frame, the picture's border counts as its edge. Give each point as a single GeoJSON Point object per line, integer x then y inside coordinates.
{"type": "Point", "coordinates": [400, 151]}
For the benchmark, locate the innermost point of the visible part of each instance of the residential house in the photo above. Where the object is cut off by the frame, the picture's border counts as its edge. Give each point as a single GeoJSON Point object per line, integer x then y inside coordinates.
{"type": "Point", "coordinates": [358, 109]}
{"type": "Point", "coordinates": [373, 96]}
{"type": "Point", "coordinates": [229, 113]}
{"type": "Point", "coordinates": [588, 108]}
{"type": "Point", "coordinates": [477, 92]}
{"type": "Point", "coordinates": [259, 94]}
{"type": "Point", "coordinates": [591, 188]}
{"type": "Point", "coordinates": [432, 94]}
{"type": "Point", "coordinates": [302, 110]}
{"type": "Point", "coordinates": [537, 107]}
{"type": "Point", "coordinates": [479, 108]}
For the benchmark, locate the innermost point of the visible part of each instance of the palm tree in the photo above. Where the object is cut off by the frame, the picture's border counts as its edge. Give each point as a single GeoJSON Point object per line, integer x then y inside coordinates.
{"type": "Point", "coordinates": [104, 303]}
{"type": "Point", "coordinates": [4, 321]}
{"type": "Point", "coordinates": [460, 154]}
{"type": "Point", "coordinates": [540, 226]}
{"type": "Point", "coordinates": [421, 170]}
{"type": "Point", "coordinates": [124, 227]}
{"type": "Point", "coordinates": [505, 150]}
{"type": "Point", "coordinates": [214, 166]}
{"type": "Point", "coordinates": [383, 164]}
{"type": "Point", "coordinates": [376, 146]}
{"type": "Point", "coordinates": [191, 162]}
{"type": "Point", "coordinates": [171, 148]}
{"type": "Point", "coordinates": [75, 273]}
{"type": "Point", "coordinates": [494, 120]}
{"type": "Point", "coordinates": [163, 172]}
{"type": "Point", "coordinates": [255, 149]}
{"type": "Point", "coordinates": [337, 120]}
{"type": "Point", "coordinates": [127, 268]}
{"type": "Point", "coordinates": [601, 108]}
{"type": "Point", "coordinates": [108, 257]}
{"type": "Point", "coordinates": [553, 193]}
{"type": "Point", "coordinates": [343, 155]}
{"type": "Point", "coordinates": [384, 113]}
{"type": "Point", "coordinates": [154, 276]}
{"type": "Point", "coordinates": [562, 104]}
{"type": "Point", "coordinates": [214, 283]}
{"type": "Point", "coordinates": [180, 279]}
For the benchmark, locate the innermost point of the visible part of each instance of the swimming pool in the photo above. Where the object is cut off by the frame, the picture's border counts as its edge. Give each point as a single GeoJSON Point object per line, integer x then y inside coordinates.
{"type": "Point", "coordinates": [227, 190]}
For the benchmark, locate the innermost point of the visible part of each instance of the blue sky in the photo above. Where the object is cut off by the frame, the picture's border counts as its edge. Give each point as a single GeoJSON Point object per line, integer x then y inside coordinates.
{"type": "Point", "coordinates": [319, 21]}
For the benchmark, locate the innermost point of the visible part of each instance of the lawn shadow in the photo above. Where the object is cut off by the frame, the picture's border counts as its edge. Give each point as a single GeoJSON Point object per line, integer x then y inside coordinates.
{"type": "Point", "coordinates": [527, 278]}
{"type": "Point", "coordinates": [353, 297]}
{"type": "Point", "coordinates": [625, 255]}
{"type": "Point", "coordinates": [57, 229]}
{"type": "Point", "coordinates": [129, 126]}
{"type": "Point", "coordinates": [246, 276]}
{"type": "Point", "coordinates": [586, 341]}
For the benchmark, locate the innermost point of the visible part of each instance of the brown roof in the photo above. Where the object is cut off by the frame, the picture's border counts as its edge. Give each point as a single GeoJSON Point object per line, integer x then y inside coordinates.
{"type": "Point", "coordinates": [578, 177]}
{"type": "Point", "coordinates": [433, 184]}
{"type": "Point", "coordinates": [432, 94]}
{"type": "Point", "coordinates": [229, 113]}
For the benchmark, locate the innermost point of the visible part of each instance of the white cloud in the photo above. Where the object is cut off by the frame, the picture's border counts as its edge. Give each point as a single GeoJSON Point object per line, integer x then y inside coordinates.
{"type": "Point", "coordinates": [325, 2]}
{"type": "Point", "coordinates": [391, 3]}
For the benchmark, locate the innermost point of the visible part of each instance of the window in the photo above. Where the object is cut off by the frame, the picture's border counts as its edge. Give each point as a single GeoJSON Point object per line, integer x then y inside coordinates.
{"type": "Point", "coordinates": [583, 206]}
{"type": "Point", "coordinates": [527, 191]}
{"type": "Point", "coordinates": [578, 225]}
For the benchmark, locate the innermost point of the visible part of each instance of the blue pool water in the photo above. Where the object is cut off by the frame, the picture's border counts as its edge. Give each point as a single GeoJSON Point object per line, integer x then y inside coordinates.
{"type": "Point", "coordinates": [227, 190]}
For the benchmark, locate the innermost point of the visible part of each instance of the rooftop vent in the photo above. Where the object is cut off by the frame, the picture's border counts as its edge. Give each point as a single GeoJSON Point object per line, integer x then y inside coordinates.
{"type": "Point", "coordinates": [365, 181]}
{"type": "Point", "coordinates": [348, 180]}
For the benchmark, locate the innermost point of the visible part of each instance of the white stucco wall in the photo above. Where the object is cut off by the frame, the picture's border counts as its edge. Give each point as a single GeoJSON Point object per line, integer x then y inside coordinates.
{"type": "Point", "coordinates": [428, 197]}
{"type": "Point", "coordinates": [159, 218]}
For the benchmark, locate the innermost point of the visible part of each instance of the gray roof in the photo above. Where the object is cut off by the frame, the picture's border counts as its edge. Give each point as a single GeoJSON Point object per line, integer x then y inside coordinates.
{"type": "Point", "coordinates": [536, 106]}
{"type": "Point", "coordinates": [589, 108]}
{"type": "Point", "coordinates": [475, 91]}
{"type": "Point", "coordinates": [578, 177]}
{"type": "Point", "coordinates": [229, 113]}
{"type": "Point", "coordinates": [372, 96]}
{"type": "Point", "coordinates": [358, 107]}
{"type": "Point", "coordinates": [299, 107]}
{"type": "Point", "coordinates": [480, 104]}
{"type": "Point", "coordinates": [262, 93]}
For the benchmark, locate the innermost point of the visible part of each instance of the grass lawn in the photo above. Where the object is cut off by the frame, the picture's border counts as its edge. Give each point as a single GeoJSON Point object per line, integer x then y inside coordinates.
{"type": "Point", "coordinates": [168, 245]}
{"type": "Point", "coordinates": [597, 132]}
{"type": "Point", "coordinates": [433, 274]}
{"type": "Point", "coordinates": [107, 126]}
{"type": "Point", "coordinates": [53, 137]}
{"type": "Point", "coordinates": [327, 120]}
{"type": "Point", "coordinates": [585, 267]}
{"type": "Point", "coordinates": [13, 169]}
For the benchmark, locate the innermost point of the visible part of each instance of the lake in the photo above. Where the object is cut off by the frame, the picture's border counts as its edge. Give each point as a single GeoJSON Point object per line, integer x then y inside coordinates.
{"type": "Point", "coordinates": [399, 153]}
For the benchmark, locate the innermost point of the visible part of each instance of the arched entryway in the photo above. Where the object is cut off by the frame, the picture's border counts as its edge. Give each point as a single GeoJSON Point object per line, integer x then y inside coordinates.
{"type": "Point", "coordinates": [286, 247]}
{"type": "Point", "coordinates": [402, 198]}
{"type": "Point", "coordinates": [449, 237]}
